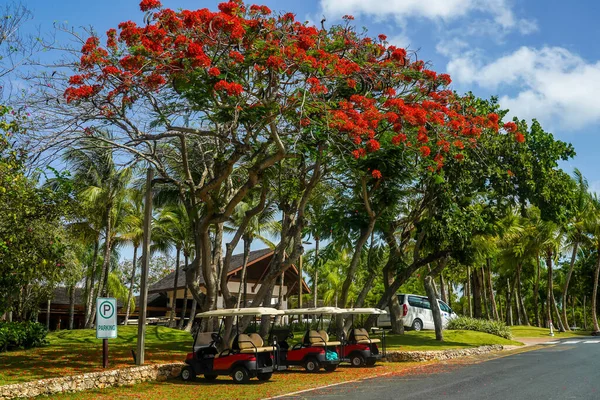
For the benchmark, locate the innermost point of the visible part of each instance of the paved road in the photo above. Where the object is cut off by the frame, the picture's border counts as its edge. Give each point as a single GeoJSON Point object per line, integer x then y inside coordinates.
{"type": "Point", "coordinates": [565, 369]}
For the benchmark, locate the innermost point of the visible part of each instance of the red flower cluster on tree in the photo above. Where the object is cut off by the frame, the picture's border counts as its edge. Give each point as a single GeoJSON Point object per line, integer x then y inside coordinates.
{"type": "Point", "coordinates": [376, 174]}
{"type": "Point", "coordinates": [232, 88]}
{"type": "Point", "coordinates": [147, 5]}
{"type": "Point", "coordinates": [356, 88]}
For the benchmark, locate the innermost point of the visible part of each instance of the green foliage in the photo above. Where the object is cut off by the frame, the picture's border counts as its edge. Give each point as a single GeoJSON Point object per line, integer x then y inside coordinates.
{"type": "Point", "coordinates": [497, 328]}
{"type": "Point", "coordinates": [21, 335]}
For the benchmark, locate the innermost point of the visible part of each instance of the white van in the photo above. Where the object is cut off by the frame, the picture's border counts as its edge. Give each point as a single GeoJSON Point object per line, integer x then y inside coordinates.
{"type": "Point", "coordinates": [416, 313]}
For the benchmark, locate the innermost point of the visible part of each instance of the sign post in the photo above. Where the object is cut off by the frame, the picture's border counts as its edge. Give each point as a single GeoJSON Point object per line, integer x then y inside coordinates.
{"type": "Point", "coordinates": [106, 324]}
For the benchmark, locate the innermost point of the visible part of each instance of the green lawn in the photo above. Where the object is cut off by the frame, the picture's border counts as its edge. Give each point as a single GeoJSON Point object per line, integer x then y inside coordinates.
{"type": "Point", "coordinates": [534, 332]}
{"type": "Point", "coordinates": [78, 351]}
{"type": "Point", "coordinates": [425, 340]}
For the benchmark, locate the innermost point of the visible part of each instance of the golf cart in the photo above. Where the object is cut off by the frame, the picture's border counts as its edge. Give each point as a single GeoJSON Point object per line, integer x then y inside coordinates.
{"type": "Point", "coordinates": [245, 357]}
{"type": "Point", "coordinates": [315, 351]}
{"type": "Point", "coordinates": [358, 347]}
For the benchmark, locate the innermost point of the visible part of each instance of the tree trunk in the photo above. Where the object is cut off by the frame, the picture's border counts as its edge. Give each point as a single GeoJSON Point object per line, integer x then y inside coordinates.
{"type": "Point", "coordinates": [476, 285]}
{"type": "Point", "coordinates": [47, 314]}
{"type": "Point", "coordinates": [566, 287]}
{"type": "Point", "coordinates": [93, 291]}
{"type": "Point", "coordinates": [450, 290]}
{"type": "Point", "coordinates": [468, 289]}
{"type": "Point", "coordinates": [103, 284]}
{"type": "Point", "coordinates": [509, 315]}
{"type": "Point", "coordinates": [243, 279]}
{"type": "Point", "coordinates": [435, 307]}
{"type": "Point", "coordinates": [190, 323]}
{"type": "Point", "coordinates": [491, 291]}
{"type": "Point", "coordinates": [185, 296]}
{"type": "Point", "coordinates": [551, 300]}
{"type": "Point", "coordinates": [395, 309]}
{"type": "Point", "coordinates": [71, 306]}
{"type": "Point", "coordinates": [131, 282]}
{"type": "Point", "coordinates": [523, 313]}
{"type": "Point", "coordinates": [536, 292]}
{"type": "Point", "coordinates": [174, 303]}
{"type": "Point", "coordinates": [443, 289]}
{"type": "Point", "coordinates": [484, 297]}
{"type": "Point", "coordinates": [596, 329]}
{"type": "Point", "coordinates": [316, 278]}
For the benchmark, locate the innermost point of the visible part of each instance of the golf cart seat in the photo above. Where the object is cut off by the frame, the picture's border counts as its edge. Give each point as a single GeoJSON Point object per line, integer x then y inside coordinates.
{"type": "Point", "coordinates": [252, 343]}
{"type": "Point", "coordinates": [321, 339]}
{"type": "Point", "coordinates": [361, 336]}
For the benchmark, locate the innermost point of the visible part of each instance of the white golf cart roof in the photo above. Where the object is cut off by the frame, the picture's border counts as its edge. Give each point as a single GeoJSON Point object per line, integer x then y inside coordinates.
{"type": "Point", "coordinates": [231, 312]}
{"type": "Point", "coordinates": [317, 310]}
{"type": "Point", "coordinates": [362, 311]}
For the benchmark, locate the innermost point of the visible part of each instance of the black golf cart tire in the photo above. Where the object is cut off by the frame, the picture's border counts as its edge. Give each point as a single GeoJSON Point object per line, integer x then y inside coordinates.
{"type": "Point", "coordinates": [187, 374]}
{"type": "Point", "coordinates": [311, 364]}
{"type": "Point", "coordinates": [417, 325]}
{"type": "Point", "coordinates": [210, 377]}
{"type": "Point", "coordinates": [264, 376]}
{"type": "Point", "coordinates": [330, 367]}
{"type": "Point", "coordinates": [357, 360]}
{"type": "Point", "coordinates": [371, 362]}
{"type": "Point", "coordinates": [240, 375]}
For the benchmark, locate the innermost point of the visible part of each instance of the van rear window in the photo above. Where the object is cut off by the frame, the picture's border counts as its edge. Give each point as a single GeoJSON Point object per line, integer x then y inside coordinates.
{"type": "Point", "coordinates": [420, 302]}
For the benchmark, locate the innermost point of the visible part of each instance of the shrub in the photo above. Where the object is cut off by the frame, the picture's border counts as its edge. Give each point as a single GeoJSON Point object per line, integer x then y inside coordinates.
{"type": "Point", "coordinates": [497, 328]}
{"type": "Point", "coordinates": [21, 335]}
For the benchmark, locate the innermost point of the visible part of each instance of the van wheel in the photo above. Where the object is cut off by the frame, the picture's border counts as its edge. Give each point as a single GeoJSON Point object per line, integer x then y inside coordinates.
{"type": "Point", "coordinates": [240, 375]}
{"type": "Point", "coordinates": [357, 360]}
{"type": "Point", "coordinates": [417, 325]}
{"type": "Point", "coordinates": [187, 374]}
{"type": "Point", "coordinates": [264, 376]}
{"type": "Point", "coordinates": [311, 364]}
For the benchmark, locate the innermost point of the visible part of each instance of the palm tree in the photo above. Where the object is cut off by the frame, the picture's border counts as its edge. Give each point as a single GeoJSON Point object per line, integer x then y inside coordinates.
{"type": "Point", "coordinates": [575, 235]}
{"type": "Point", "coordinates": [174, 225]}
{"type": "Point", "coordinates": [551, 238]}
{"type": "Point", "coordinates": [257, 228]}
{"type": "Point", "coordinates": [101, 186]}
{"type": "Point", "coordinates": [592, 227]}
{"type": "Point", "coordinates": [134, 232]}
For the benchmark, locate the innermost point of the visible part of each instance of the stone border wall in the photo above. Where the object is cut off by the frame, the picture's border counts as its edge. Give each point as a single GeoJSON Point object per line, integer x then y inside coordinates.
{"type": "Point", "coordinates": [396, 356]}
{"type": "Point", "coordinates": [92, 380]}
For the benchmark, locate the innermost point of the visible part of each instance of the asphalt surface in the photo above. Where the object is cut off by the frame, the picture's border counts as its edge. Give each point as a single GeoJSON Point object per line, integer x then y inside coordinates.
{"type": "Point", "coordinates": [569, 369]}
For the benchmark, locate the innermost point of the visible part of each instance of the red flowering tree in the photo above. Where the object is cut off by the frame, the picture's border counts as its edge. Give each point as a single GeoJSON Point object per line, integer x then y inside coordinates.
{"type": "Point", "coordinates": [214, 100]}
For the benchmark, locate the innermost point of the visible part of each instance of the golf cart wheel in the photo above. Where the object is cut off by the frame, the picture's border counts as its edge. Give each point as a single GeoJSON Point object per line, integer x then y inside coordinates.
{"type": "Point", "coordinates": [240, 375]}
{"type": "Point", "coordinates": [264, 376]}
{"type": "Point", "coordinates": [311, 364]}
{"type": "Point", "coordinates": [330, 367]}
{"type": "Point", "coordinates": [371, 363]}
{"type": "Point", "coordinates": [210, 377]}
{"type": "Point", "coordinates": [357, 360]}
{"type": "Point", "coordinates": [187, 374]}
{"type": "Point", "coordinates": [417, 325]}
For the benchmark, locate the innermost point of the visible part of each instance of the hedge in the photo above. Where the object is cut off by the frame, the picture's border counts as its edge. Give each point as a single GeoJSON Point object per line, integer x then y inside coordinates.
{"type": "Point", "coordinates": [21, 335]}
{"type": "Point", "coordinates": [497, 328]}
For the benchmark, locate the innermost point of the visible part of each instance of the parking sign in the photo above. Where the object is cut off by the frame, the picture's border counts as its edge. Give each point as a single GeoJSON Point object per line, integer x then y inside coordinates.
{"type": "Point", "coordinates": [106, 318]}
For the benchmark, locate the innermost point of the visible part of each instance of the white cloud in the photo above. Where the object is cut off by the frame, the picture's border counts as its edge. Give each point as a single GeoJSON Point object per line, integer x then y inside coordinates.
{"type": "Point", "coordinates": [551, 83]}
{"type": "Point", "coordinates": [500, 12]}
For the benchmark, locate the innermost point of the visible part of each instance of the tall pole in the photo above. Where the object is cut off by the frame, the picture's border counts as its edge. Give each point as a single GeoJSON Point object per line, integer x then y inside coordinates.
{"type": "Point", "coordinates": [145, 263]}
{"type": "Point", "coordinates": [300, 283]}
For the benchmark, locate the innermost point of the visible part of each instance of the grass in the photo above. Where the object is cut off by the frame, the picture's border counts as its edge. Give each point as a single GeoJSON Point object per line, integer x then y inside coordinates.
{"type": "Point", "coordinates": [224, 388]}
{"type": "Point", "coordinates": [535, 332]}
{"type": "Point", "coordinates": [78, 351]}
{"type": "Point", "coordinates": [425, 340]}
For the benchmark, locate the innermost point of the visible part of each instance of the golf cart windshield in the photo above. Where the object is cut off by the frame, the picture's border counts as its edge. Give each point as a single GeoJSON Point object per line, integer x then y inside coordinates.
{"type": "Point", "coordinates": [241, 312]}
{"type": "Point", "coordinates": [204, 339]}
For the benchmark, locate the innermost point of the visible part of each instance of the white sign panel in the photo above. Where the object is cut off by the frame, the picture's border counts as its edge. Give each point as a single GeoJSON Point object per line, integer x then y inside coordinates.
{"type": "Point", "coordinates": [106, 318]}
